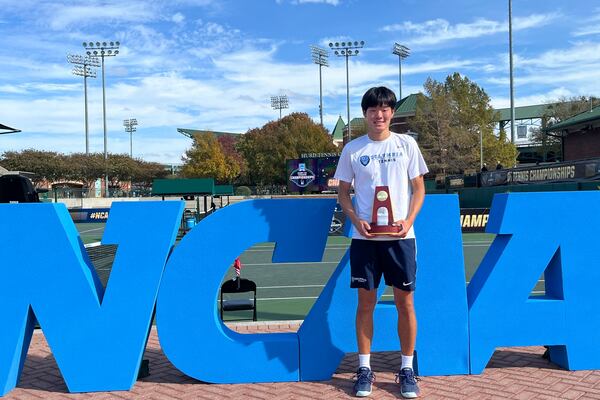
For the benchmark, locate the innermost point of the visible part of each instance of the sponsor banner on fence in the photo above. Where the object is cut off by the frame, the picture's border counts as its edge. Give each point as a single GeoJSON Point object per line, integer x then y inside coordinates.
{"type": "Point", "coordinates": [90, 214]}
{"type": "Point", "coordinates": [474, 219]}
{"type": "Point", "coordinates": [561, 172]}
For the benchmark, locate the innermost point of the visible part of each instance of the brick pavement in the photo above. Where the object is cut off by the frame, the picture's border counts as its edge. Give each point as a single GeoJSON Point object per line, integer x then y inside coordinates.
{"type": "Point", "coordinates": [516, 373]}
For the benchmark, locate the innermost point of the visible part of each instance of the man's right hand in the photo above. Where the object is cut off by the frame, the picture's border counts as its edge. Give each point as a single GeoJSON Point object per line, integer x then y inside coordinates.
{"type": "Point", "coordinates": [363, 227]}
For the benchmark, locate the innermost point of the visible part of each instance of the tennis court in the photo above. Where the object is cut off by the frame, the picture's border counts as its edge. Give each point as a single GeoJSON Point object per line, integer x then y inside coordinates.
{"type": "Point", "coordinates": [286, 291]}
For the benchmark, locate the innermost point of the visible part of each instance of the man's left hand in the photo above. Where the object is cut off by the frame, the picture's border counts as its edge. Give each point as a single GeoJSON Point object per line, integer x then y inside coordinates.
{"type": "Point", "coordinates": [404, 228]}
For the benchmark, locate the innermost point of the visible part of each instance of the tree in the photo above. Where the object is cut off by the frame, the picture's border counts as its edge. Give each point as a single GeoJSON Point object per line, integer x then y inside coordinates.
{"type": "Point", "coordinates": [46, 165]}
{"type": "Point", "coordinates": [266, 149]}
{"type": "Point", "coordinates": [206, 160]}
{"type": "Point", "coordinates": [147, 172]}
{"type": "Point", "coordinates": [451, 118]}
{"type": "Point", "coordinates": [233, 158]}
{"type": "Point", "coordinates": [51, 167]}
{"type": "Point", "coordinates": [558, 111]}
{"type": "Point", "coordinates": [85, 167]}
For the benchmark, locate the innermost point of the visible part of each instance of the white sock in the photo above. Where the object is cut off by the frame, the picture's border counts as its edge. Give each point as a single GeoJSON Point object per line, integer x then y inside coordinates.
{"type": "Point", "coordinates": [364, 360]}
{"type": "Point", "coordinates": [407, 362]}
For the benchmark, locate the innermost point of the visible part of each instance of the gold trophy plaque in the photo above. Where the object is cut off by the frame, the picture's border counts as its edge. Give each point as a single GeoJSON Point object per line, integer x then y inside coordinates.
{"type": "Point", "coordinates": [382, 219]}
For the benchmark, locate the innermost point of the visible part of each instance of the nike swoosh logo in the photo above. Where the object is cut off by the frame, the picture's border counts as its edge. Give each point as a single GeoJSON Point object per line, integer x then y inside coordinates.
{"type": "Point", "coordinates": [406, 284]}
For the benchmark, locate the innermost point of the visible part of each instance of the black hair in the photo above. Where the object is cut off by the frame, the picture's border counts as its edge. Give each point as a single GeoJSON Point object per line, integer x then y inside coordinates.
{"type": "Point", "coordinates": [378, 97]}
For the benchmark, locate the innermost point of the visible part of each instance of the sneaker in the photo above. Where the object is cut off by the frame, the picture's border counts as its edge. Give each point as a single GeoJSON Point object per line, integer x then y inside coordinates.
{"type": "Point", "coordinates": [364, 379]}
{"type": "Point", "coordinates": [408, 383]}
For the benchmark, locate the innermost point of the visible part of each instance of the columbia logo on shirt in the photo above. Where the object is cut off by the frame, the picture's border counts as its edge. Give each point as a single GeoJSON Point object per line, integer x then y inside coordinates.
{"type": "Point", "coordinates": [381, 158]}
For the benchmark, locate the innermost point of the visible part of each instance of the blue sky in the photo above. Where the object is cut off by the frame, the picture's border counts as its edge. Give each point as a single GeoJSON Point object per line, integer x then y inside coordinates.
{"type": "Point", "coordinates": [213, 64]}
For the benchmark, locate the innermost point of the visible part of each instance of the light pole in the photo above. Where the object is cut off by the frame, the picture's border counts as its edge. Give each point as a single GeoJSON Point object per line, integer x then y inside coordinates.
{"type": "Point", "coordinates": [319, 57]}
{"type": "Point", "coordinates": [83, 67]}
{"type": "Point", "coordinates": [512, 89]}
{"type": "Point", "coordinates": [347, 49]}
{"type": "Point", "coordinates": [480, 149]}
{"type": "Point", "coordinates": [279, 103]}
{"type": "Point", "coordinates": [95, 50]}
{"type": "Point", "coordinates": [130, 127]}
{"type": "Point", "coordinates": [402, 52]}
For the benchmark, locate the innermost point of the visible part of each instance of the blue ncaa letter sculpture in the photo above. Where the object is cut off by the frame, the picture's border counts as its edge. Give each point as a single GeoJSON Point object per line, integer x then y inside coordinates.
{"type": "Point", "coordinates": [551, 233]}
{"type": "Point", "coordinates": [190, 330]}
{"type": "Point", "coordinates": [97, 337]}
{"type": "Point", "coordinates": [327, 333]}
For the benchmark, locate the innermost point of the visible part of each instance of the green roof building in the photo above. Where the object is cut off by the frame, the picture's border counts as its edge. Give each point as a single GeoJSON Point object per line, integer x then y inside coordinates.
{"type": "Point", "coordinates": [337, 135]}
{"type": "Point", "coordinates": [580, 135]}
{"type": "Point", "coordinates": [191, 132]}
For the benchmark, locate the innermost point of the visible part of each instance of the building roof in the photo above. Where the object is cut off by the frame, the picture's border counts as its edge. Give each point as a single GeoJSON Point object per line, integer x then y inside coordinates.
{"type": "Point", "coordinates": [338, 131]}
{"type": "Point", "coordinates": [525, 112]}
{"type": "Point", "coordinates": [8, 129]}
{"type": "Point", "coordinates": [575, 121]}
{"type": "Point", "coordinates": [357, 122]}
{"type": "Point", "coordinates": [191, 132]}
{"type": "Point", "coordinates": [407, 106]}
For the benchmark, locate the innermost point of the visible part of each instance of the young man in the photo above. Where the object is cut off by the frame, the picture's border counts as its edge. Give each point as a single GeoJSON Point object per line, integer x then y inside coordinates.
{"type": "Point", "coordinates": [383, 158]}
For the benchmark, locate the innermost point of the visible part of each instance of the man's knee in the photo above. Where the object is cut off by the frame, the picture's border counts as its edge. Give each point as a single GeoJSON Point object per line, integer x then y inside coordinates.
{"type": "Point", "coordinates": [367, 299]}
{"type": "Point", "coordinates": [404, 301]}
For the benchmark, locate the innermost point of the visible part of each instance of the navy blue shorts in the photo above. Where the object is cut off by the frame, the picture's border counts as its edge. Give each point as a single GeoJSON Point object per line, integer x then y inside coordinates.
{"type": "Point", "coordinates": [394, 259]}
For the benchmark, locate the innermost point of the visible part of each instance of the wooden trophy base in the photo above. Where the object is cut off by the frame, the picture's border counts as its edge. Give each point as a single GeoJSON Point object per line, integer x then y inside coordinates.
{"type": "Point", "coordinates": [384, 229]}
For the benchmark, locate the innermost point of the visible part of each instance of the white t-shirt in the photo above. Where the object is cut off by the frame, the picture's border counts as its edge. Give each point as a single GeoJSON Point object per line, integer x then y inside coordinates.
{"type": "Point", "coordinates": [392, 162]}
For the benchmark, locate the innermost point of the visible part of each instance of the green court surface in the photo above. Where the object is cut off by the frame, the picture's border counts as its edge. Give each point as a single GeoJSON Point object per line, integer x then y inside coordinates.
{"type": "Point", "coordinates": [287, 291]}
{"type": "Point", "coordinates": [90, 232]}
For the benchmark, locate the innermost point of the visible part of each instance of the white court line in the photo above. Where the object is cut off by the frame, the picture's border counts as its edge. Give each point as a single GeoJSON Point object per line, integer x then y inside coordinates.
{"type": "Point", "coordinates": [316, 297]}
{"type": "Point", "coordinates": [91, 230]}
{"type": "Point", "coordinates": [291, 263]}
{"type": "Point", "coordinates": [291, 286]}
{"type": "Point", "coordinates": [259, 249]}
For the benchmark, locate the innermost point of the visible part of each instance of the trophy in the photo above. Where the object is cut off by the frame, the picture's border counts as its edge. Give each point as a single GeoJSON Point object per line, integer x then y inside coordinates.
{"type": "Point", "coordinates": [382, 218]}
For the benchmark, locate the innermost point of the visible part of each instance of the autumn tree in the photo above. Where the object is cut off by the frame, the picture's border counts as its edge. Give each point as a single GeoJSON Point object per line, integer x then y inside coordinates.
{"type": "Point", "coordinates": [451, 118]}
{"type": "Point", "coordinates": [233, 158]}
{"type": "Point", "coordinates": [266, 149]}
{"type": "Point", "coordinates": [205, 159]}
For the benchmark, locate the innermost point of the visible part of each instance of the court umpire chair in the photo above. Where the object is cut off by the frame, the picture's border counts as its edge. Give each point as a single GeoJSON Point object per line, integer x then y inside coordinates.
{"type": "Point", "coordinates": [236, 286]}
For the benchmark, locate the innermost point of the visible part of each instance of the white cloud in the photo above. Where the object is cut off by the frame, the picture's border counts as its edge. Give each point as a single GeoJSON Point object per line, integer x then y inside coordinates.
{"type": "Point", "coordinates": [588, 26]}
{"type": "Point", "coordinates": [62, 16]}
{"type": "Point", "coordinates": [440, 30]}
{"type": "Point", "coordinates": [330, 2]}
{"type": "Point", "coordinates": [532, 99]}
{"type": "Point", "coordinates": [296, 2]}
{"type": "Point", "coordinates": [178, 18]}
{"type": "Point", "coordinates": [586, 31]}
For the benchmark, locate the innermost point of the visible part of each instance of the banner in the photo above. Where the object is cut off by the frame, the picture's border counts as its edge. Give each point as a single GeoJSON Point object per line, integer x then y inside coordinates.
{"type": "Point", "coordinates": [560, 172]}
{"type": "Point", "coordinates": [89, 214]}
{"type": "Point", "coordinates": [312, 175]}
{"type": "Point", "coordinates": [474, 219]}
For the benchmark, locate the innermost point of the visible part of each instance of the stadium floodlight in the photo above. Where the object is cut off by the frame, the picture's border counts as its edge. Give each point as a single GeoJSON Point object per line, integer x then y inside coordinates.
{"type": "Point", "coordinates": [510, 62]}
{"type": "Point", "coordinates": [320, 57]}
{"type": "Point", "coordinates": [84, 66]}
{"type": "Point", "coordinates": [130, 127]}
{"type": "Point", "coordinates": [347, 49]}
{"type": "Point", "coordinates": [279, 103]}
{"type": "Point", "coordinates": [101, 50]}
{"type": "Point", "coordinates": [402, 52]}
